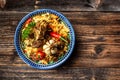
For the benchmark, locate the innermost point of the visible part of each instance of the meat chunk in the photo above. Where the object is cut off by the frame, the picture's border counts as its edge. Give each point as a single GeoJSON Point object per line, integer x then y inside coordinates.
{"type": "Point", "coordinates": [37, 44]}
{"type": "Point", "coordinates": [40, 30]}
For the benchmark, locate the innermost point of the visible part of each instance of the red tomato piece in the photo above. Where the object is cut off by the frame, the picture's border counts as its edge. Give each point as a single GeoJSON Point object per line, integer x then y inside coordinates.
{"type": "Point", "coordinates": [53, 34]}
{"type": "Point", "coordinates": [29, 20]}
{"type": "Point", "coordinates": [41, 54]}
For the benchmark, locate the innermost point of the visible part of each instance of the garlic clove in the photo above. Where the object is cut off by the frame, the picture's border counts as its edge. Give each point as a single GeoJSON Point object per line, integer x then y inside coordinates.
{"type": "Point", "coordinates": [51, 41]}
{"type": "Point", "coordinates": [47, 51]}
{"type": "Point", "coordinates": [47, 43]}
{"type": "Point", "coordinates": [45, 46]}
{"type": "Point", "coordinates": [53, 51]}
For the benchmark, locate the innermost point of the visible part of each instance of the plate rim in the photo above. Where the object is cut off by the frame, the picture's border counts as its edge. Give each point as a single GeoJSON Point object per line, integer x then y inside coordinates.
{"type": "Point", "coordinates": [17, 44]}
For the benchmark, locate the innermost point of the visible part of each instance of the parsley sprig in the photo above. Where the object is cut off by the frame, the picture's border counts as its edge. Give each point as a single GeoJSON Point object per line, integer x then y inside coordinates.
{"type": "Point", "coordinates": [27, 30]}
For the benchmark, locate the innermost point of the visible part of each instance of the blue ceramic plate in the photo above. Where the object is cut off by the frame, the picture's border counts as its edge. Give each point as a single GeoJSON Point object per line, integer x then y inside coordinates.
{"type": "Point", "coordinates": [30, 62]}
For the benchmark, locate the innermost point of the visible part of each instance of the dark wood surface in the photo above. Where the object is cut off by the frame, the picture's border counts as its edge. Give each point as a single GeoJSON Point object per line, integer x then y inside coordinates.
{"type": "Point", "coordinates": [97, 51]}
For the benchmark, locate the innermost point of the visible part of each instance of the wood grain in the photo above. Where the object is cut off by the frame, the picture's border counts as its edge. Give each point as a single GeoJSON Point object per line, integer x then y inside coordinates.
{"type": "Point", "coordinates": [96, 39]}
{"type": "Point", "coordinates": [96, 55]}
{"type": "Point", "coordinates": [58, 74]}
{"type": "Point", "coordinates": [63, 5]}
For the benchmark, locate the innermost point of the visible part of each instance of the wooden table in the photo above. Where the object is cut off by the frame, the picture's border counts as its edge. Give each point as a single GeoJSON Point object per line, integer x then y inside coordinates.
{"type": "Point", "coordinates": [97, 51]}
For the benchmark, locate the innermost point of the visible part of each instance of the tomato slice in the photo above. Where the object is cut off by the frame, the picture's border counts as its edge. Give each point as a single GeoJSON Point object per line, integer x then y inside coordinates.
{"type": "Point", "coordinates": [41, 55]}
{"type": "Point", "coordinates": [29, 20]}
{"type": "Point", "coordinates": [55, 35]}
{"type": "Point", "coordinates": [58, 36]}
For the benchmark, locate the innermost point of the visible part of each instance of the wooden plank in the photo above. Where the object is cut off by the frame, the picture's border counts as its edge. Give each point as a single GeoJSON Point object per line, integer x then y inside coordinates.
{"type": "Point", "coordinates": [63, 5]}
{"type": "Point", "coordinates": [28, 5]}
{"type": "Point", "coordinates": [67, 73]}
{"type": "Point", "coordinates": [87, 55]}
{"type": "Point", "coordinates": [96, 55]}
{"type": "Point", "coordinates": [97, 38]}
{"type": "Point", "coordinates": [97, 41]}
{"type": "Point", "coordinates": [55, 74]}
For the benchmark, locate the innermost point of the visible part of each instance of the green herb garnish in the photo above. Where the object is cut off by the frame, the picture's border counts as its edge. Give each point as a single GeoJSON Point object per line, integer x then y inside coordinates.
{"type": "Point", "coordinates": [51, 62]}
{"type": "Point", "coordinates": [26, 32]}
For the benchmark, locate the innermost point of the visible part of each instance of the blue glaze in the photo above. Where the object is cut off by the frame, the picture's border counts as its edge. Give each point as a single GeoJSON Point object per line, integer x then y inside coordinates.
{"type": "Point", "coordinates": [30, 62]}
